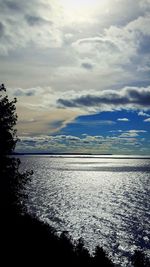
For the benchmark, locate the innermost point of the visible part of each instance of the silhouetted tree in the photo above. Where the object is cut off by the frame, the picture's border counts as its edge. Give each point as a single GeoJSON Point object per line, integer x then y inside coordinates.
{"type": "Point", "coordinates": [82, 253]}
{"type": "Point", "coordinates": [140, 260]}
{"type": "Point", "coordinates": [11, 180]}
{"type": "Point", "coordinates": [8, 118]}
{"type": "Point", "coordinates": [101, 259]}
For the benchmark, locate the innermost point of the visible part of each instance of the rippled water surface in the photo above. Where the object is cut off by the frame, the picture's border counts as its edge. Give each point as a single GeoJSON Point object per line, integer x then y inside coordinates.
{"type": "Point", "coordinates": [103, 199]}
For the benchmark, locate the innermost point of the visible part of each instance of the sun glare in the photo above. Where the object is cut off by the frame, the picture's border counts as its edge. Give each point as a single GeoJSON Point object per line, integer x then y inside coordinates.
{"type": "Point", "coordinates": [82, 9]}
{"type": "Point", "coordinates": [77, 4]}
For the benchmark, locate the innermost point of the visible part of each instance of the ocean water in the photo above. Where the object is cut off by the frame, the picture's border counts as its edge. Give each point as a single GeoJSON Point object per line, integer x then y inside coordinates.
{"type": "Point", "coordinates": [104, 199]}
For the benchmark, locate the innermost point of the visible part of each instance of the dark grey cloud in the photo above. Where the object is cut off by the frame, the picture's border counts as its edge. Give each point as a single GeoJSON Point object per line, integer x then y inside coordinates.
{"type": "Point", "coordinates": [13, 6]}
{"type": "Point", "coordinates": [87, 65]}
{"type": "Point", "coordinates": [27, 92]}
{"type": "Point", "coordinates": [144, 47]}
{"type": "Point", "coordinates": [2, 30]}
{"type": "Point", "coordinates": [36, 20]}
{"type": "Point", "coordinates": [138, 97]}
{"type": "Point", "coordinates": [10, 7]}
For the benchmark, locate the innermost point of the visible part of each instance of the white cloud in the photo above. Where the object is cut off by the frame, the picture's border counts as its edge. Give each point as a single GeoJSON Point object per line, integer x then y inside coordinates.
{"type": "Point", "coordinates": [137, 131]}
{"type": "Point", "coordinates": [117, 44]}
{"type": "Point", "coordinates": [128, 140]}
{"type": "Point", "coordinates": [128, 135]}
{"type": "Point", "coordinates": [122, 119]}
{"type": "Point", "coordinates": [147, 120]}
{"type": "Point", "coordinates": [141, 113]}
{"type": "Point", "coordinates": [131, 133]}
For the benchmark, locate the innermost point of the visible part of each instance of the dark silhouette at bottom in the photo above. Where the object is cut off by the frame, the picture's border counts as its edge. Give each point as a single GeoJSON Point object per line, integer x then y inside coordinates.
{"type": "Point", "coordinates": [26, 240]}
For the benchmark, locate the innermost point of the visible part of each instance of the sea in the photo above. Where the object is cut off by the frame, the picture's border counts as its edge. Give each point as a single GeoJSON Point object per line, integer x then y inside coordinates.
{"type": "Point", "coordinates": [102, 198]}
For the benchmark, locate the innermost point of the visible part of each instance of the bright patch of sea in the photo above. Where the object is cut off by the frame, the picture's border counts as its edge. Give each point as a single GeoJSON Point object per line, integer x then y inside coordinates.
{"type": "Point", "coordinates": [105, 200]}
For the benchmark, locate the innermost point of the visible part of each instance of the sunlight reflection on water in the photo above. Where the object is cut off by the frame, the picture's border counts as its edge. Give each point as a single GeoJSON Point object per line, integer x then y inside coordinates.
{"type": "Point", "coordinates": [106, 201]}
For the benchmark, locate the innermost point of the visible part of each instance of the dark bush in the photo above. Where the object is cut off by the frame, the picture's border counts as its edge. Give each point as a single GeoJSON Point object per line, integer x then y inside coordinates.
{"type": "Point", "coordinates": [140, 260]}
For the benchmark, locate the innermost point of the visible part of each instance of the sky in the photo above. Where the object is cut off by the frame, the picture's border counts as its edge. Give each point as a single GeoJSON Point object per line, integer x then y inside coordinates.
{"type": "Point", "coordinates": [81, 73]}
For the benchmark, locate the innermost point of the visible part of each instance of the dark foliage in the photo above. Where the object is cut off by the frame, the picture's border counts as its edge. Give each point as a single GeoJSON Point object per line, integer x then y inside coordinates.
{"type": "Point", "coordinates": [32, 242]}
{"type": "Point", "coordinates": [101, 257]}
{"type": "Point", "coordinates": [11, 180]}
{"type": "Point", "coordinates": [140, 260]}
{"type": "Point", "coordinates": [8, 119]}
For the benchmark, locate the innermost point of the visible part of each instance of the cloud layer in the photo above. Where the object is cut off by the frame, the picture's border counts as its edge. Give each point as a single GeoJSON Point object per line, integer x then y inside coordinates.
{"type": "Point", "coordinates": [127, 98]}
{"type": "Point", "coordinates": [28, 23]}
{"type": "Point", "coordinates": [126, 141]}
{"type": "Point", "coordinates": [64, 61]}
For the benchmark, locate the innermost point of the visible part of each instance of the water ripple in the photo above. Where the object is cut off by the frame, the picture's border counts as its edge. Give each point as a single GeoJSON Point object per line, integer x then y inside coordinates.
{"type": "Point", "coordinates": [106, 201]}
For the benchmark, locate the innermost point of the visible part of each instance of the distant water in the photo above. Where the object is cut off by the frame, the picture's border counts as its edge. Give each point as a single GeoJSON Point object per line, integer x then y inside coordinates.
{"type": "Point", "coordinates": [105, 200]}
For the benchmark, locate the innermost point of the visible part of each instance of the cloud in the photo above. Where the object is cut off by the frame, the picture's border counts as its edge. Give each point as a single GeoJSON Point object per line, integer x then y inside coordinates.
{"type": "Point", "coordinates": [128, 97]}
{"type": "Point", "coordinates": [1, 29]}
{"type": "Point", "coordinates": [117, 44]}
{"type": "Point", "coordinates": [123, 119]}
{"type": "Point", "coordinates": [91, 43]}
{"type": "Point", "coordinates": [87, 65]}
{"type": "Point", "coordinates": [147, 120]}
{"type": "Point", "coordinates": [42, 23]}
{"type": "Point", "coordinates": [137, 131]}
{"type": "Point", "coordinates": [141, 113]}
{"type": "Point", "coordinates": [131, 133]}
{"type": "Point", "coordinates": [111, 44]}
{"type": "Point", "coordinates": [145, 4]}
{"type": "Point", "coordinates": [29, 23]}
{"type": "Point", "coordinates": [36, 98]}
{"type": "Point", "coordinates": [128, 135]}
{"type": "Point", "coordinates": [26, 92]}
{"type": "Point", "coordinates": [36, 21]}
{"type": "Point", "coordinates": [95, 123]}
{"type": "Point", "coordinates": [33, 122]}
{"type": "Point", "coordinates": [86, 144]}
